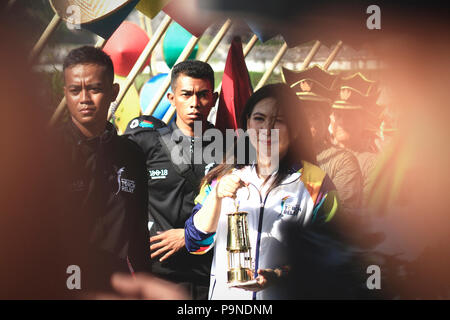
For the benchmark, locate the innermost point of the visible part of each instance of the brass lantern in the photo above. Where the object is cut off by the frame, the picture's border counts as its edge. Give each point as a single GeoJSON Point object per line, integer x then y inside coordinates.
{"type": "Point", "coordinates": [240, 268]}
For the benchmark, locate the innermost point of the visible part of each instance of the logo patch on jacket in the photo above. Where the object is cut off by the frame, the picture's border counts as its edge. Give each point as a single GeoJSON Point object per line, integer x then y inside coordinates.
{"type": "Point", "coordinates": [146, 124]}
{"type": "Point", "coordinates": [134, 124]}
{"type": "Point", "coordinates": [143, 124]}
{"type": "Point", "coordinates": [158, 174]}
{"type": "Point", "coordinates": [289, 206]}
{"type": "Point", "coordinates": [125, 185]}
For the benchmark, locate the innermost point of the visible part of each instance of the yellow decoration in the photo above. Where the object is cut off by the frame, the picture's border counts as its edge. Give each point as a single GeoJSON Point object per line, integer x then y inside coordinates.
{"type": "Point", "coordinates": [151, 7]}
{"type": "Point", "coordinates": [129, 108]}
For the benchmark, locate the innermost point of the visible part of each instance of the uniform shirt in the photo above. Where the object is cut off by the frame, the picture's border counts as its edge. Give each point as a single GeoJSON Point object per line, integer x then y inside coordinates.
{"type": "Point", "coordinates": [306, 196]}
{"type": "Point", "coordinates": [170, 197]}
{"type": "Point", "coordinates": [367, 162]}
{"type": "Point", "coordinates": [343, 169]}
{"type": "Point", "coordinates": [104, 205]}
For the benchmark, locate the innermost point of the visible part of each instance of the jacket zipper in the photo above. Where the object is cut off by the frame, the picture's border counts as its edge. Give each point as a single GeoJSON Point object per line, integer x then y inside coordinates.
{"type": "Point", "coordinates": [258, 239]}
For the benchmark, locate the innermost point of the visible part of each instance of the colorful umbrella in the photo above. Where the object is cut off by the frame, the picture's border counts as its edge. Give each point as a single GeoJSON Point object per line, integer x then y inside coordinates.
{"type": "Point", "coordinates": [125, 46]}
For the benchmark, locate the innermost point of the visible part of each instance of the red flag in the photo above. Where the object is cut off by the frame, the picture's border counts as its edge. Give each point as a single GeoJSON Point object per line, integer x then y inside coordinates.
{"type": "Point", "coordinates": [236, 89]}
{"type": "Point", "coordinates": [188, 14]}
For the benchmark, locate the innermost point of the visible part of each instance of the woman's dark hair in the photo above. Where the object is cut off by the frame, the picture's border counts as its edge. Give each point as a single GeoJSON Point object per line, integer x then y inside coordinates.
{"type": "Point", "coordinates": [300, 145]}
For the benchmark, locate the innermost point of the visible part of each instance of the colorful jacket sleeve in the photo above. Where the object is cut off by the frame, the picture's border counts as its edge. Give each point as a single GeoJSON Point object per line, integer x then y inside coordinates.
{"type": "Point", "coordinates": [322, 191]}
{"type": "Point", "coordinates": [197, 241]}
{"type": "Point", "coordinates": [327, 202]}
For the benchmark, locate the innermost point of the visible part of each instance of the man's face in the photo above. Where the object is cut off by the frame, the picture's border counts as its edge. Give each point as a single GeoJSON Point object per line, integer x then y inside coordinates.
{"type": "Point", "coordinates": [345, 126]}
{"type": "Point", "coordinates": [89, 92]}
{"type": "Point", "coordinates": [337, 128]}
{"type": "Point", "coordinates": [193, 99]}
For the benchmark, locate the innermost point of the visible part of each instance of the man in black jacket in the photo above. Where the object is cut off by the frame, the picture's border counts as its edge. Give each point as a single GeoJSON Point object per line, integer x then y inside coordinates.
{"type": "Point", "coordinates": [174, 184]}
{"type": "Point", "coordinates": [104, 209]}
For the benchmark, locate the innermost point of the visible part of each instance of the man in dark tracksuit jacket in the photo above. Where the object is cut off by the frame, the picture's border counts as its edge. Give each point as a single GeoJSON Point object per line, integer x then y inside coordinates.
{"type": "Point", "coordinates": [104, 215]}
{"type": "Point", "coordinates": [171, 188]}
{"type": "Point", "coordinates": [104, 208]}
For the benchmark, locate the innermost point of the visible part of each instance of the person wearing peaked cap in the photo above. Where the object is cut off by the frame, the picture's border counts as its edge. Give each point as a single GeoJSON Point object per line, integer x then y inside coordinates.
{"type": "Point", "coordinates": [357, 102]}
{"type": "Point", "coordinates": [354, 122]}
{"type": "Point", "coordinates": [359, 82]}
{"type": "Point", "coordinates": [355, 113]}
{"type": "Point", "coordinates": [340, 164]}
{"type": "Point", "coordinates": [314, 83]}
{"type": "Point", "coordinates": [315, 73]}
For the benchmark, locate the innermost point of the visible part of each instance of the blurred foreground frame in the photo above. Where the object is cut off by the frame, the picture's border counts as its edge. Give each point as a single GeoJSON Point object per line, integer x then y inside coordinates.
{"type": "Point", "coordinates": [413, 219]}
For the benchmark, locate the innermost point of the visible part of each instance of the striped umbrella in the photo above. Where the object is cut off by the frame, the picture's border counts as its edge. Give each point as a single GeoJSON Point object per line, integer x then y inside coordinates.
{"type": "Point", "coordinates": [101, 17]}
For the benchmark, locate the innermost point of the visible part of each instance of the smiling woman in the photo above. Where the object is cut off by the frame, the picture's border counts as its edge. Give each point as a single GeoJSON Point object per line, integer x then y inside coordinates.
{"type": "Point", "coordinates": [268, 134]}
{"type": "Point", "coordinates": [294, 191]}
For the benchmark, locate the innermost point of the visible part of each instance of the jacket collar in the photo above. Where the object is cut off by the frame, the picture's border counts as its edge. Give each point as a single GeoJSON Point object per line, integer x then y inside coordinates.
{"type": "Point", "coordinates": [249, 172]}
{"type": "Point", "coordinates": [173, 126]}
{"type": "Point", "coordinates": [80, 138]}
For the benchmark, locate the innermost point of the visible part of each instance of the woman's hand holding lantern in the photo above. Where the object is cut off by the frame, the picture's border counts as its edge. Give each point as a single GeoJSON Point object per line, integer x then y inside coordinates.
{"type": "Point", "coordinates": [228, 186]}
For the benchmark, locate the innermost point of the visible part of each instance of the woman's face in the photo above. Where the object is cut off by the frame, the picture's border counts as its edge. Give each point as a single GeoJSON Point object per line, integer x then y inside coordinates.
{"type": "Point", "coordinates": [264, 118]}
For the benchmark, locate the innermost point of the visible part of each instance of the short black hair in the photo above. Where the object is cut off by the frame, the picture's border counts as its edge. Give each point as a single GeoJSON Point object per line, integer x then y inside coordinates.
{"type": "Point", "coordinates": [89, 54]}
{"type": "Point", "coordinates": [194, 69]}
